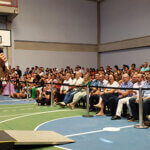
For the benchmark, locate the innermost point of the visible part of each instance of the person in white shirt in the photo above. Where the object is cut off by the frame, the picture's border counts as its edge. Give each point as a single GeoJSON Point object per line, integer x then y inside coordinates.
{"type": "Point", "coordinates": [64, 89]}
{"type": "Point", "coordinates": [72, 91]}
{"type": "Point", "coordinates": [106, 95]}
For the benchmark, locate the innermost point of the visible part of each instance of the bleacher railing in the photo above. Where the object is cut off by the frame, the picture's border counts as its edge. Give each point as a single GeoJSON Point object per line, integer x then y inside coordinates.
{"type": "Point", "coordinates": [9, 3]}
{"type": "Point", "coordinates": [138, 126]}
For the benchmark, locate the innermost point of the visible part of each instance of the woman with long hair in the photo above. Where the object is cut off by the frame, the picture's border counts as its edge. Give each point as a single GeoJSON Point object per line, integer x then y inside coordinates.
{"type": "Point", "coordinates": [106, 95]}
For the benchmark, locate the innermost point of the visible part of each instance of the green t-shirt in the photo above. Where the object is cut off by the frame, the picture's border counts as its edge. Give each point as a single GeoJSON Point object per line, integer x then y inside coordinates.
{"type": "Point", "coordinates": [34, 95]}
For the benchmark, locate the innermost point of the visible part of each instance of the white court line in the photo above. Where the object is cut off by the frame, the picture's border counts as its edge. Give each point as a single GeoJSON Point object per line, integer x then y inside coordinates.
{"type": "Point", "coordinates": [79, 134]}
{"type": "Point", "coordinates": [52, 121]}
{"type": "Point", "coordinates": [97, 131]}
{"type": "Point", "coordinates": [84, 133]}
{"type": "Point", "coordinates": [18, 106]}
{"type": "Point", "coordinates": [62, 148]}
{"type": "Point", "coordinates": [32, 114]}
{"type": "Point", "coordinates": [10, 101]}
{"type": "Point", "coordinates": [14, 115]}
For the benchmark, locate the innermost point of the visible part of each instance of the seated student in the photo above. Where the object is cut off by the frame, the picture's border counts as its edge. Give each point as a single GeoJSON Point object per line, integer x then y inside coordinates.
{"type": "Point", "coordinates": [107, 96]}
{"type": "Point", "coordinates": [125, 100]}
{"type": "Point", "coordinates": [44, 97]}
{"type": "Point", "coordinates": [17, 83]}
{"type": "Point", "coordinates": [1, 86]}
{"type": "Point", "coordinates": [72, 91]}
{"type": "Point", "coordinates": [57, 89]}
{"type": "Point", "coordinates": [64, 89]}
{"type": "Point", "coordinates": [82, 92]}
{"type": "Point", "coordinates": [22, 94]}
{"type": "Point", "coordinates": [146, 101]}
{"type": "Point", "coordinates": [134, 78]}
{"type": "Point", "coordinates": [123, 93]}
{"type": "Point", "coordinates": [95, 93]}
{"type": "Point", "coordinates": [40, 85]}
{"type": "Point", "coordinates": [132, 69]}
{"type": "Point", "coordinates": [145, 67]}
{"type": "Point", "coordinates": [9, 88]}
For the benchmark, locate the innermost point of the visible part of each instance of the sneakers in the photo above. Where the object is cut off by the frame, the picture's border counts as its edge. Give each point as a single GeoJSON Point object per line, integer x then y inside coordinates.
{"type": "Point", "coordinates": [62, 104]}
{"type": "Point", "coordinates": [115, 118]}
{"type": "Point", "coordinates": [133, 120]}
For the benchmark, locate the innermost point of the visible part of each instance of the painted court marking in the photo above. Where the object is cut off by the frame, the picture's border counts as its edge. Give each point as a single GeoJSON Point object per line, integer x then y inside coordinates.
{"type": "Point", "coordinates": [110, 129]}
{"type": "Point", "coordinates": [32, 114]}
{"type": "Point", "coordinates": [13, 115]}
{"type": "Point", "coordinates": [17, 107]}
{"type": "Point", "coordinates": [52, 121]}
{"type": "Point", "coordinates": [106, 129]}
{"type": "Point", "coordinates": [62, 148]}
{"type": "Point", "coordinates": [10, 101]}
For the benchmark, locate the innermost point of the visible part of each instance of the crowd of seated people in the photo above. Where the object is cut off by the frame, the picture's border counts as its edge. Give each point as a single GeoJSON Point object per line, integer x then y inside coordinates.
{"type": "Point", "coordinates": [123, 102]}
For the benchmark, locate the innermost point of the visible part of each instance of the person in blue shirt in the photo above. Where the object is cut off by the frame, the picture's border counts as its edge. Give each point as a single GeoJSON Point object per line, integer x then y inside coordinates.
{"type": "Point", "coordinates": [122, 94]}
{"type": "Point", "coordinates": [134, 102]}
{"type": "Point", "coordinates": [95, 92]}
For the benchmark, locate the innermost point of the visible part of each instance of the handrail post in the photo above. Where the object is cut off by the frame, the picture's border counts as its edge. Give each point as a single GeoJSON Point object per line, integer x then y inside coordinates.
{"type": "Point", "coordinates": [141, 124]}
{"type": "Point", "coordinates": [27, 90]}
{"type": "Point", "coordinates": [9, 88]}
{"type": "Point", "coordinates": [87, 102]}
{"type": "Point", "coordinates": [51, 94]}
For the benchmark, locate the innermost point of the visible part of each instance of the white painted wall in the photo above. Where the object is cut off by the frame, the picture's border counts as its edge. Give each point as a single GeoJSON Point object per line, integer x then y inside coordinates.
{"type": "Point", "coordinates": [124, 19]}
{"type": "Point", "coordinates": [66, 21]}
{"type": "Point", "coordinates": [137, 56]}
{"type": "Point", "coordinates": [29, 58]}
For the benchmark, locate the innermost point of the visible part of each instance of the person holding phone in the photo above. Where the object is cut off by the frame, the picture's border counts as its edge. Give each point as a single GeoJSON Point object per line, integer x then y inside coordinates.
{"type": "Point", "coordinates": [3, 59]}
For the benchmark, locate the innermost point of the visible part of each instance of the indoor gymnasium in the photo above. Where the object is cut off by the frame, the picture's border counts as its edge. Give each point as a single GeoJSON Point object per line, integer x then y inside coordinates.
{"type": "Point", "coordinates": [74, 74]}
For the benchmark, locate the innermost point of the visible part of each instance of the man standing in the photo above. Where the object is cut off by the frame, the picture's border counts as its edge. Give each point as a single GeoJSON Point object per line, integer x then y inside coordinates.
{"type": "Point", "coordinates": [19, 72]}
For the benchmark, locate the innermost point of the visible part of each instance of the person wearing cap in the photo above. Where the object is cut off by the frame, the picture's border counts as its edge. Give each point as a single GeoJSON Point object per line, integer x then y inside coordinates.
{"type": "Point", "coordinates": [3, 59]}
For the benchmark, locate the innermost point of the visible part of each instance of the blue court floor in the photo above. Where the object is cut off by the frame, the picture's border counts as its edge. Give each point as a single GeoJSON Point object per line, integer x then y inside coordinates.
{"type": "Point", "coordinates": [5, 100]}
{"type": "Point", "coordinates": [99, 132]}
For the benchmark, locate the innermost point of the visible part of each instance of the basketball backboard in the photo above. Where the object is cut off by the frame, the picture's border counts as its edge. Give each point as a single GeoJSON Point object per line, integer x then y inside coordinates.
{"type": "Point", "coordinates": [5, 38]}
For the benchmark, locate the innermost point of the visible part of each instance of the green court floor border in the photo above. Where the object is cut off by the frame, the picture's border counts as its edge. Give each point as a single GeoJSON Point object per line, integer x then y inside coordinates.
{"type": "Point", "coordinates": [29, 116]}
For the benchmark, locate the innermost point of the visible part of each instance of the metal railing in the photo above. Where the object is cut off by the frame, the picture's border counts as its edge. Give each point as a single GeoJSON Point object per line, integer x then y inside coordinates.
{"type": "Point", "coordinates": [139, 126]}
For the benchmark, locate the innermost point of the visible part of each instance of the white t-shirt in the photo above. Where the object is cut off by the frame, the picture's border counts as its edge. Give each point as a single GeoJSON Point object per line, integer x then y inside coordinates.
{"type": "Point", "coordinates": [65, 88]}
{"type": "Point", "coordinates": [137, 85]}
{"type": "Point", "coordinates": [115, 84]}
{"type": "Point", "coordinates": [77, 82]}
